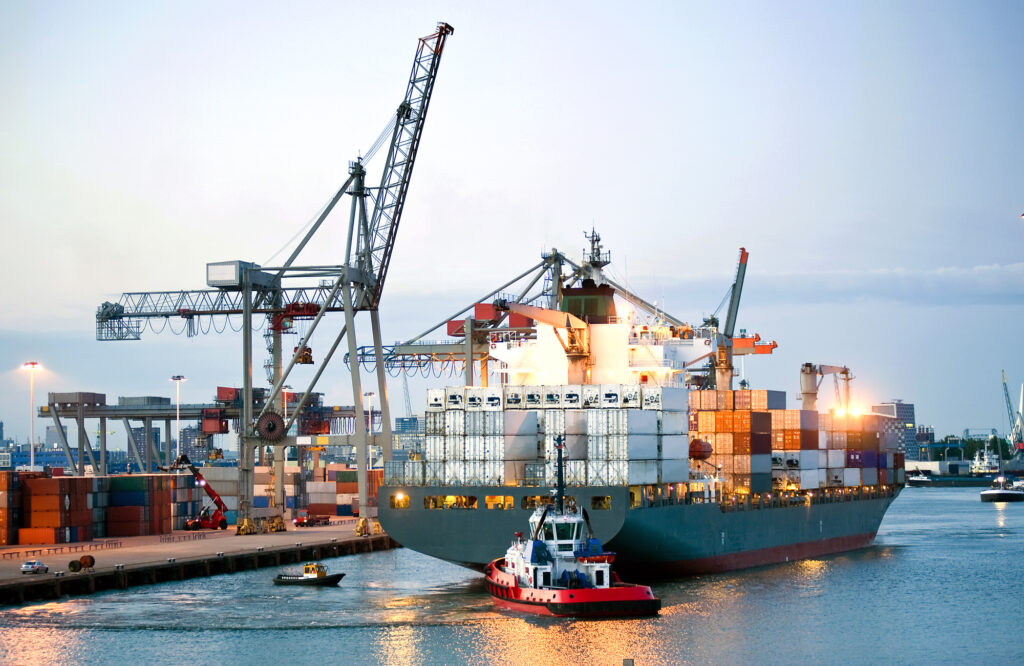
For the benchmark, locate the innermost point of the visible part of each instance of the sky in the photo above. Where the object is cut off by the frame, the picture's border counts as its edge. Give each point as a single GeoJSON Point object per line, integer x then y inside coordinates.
{"type": "Point", "coordinates": [868, 155]}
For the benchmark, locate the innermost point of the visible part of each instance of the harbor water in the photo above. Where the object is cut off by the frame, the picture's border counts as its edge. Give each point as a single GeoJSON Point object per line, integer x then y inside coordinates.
{"type": "Point", "coordinates": [940, 585]}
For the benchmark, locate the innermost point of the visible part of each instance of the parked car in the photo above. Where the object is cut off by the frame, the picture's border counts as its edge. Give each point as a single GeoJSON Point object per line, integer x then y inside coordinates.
{"type": "Point", "coordinates": [34, 566]}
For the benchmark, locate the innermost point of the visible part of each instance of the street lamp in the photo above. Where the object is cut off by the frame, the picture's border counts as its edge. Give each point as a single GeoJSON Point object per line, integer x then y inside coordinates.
{"type": "Point", "coordinates": [32, 367]}
{"type": "Point", "coordinates": [370, 395]}
{"type": "Point", "coordinates": [178, 379]}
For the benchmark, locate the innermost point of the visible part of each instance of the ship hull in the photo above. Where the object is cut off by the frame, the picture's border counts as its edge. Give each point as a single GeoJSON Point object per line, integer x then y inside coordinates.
{"type": "Point", "coordinates": [650, 541]}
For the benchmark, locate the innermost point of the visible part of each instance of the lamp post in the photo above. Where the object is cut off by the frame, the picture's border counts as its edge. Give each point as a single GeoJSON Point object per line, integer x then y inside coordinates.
{"type": "Point", "coordinates": [32, 367]}
{"type": "Point", "coordinates": [369, 395]}
{"type": "Point", "coordinates": [178, 379]}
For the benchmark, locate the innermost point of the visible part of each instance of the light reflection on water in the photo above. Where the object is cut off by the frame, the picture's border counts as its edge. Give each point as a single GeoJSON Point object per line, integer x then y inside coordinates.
{"type": "Point", "coordinates": [399, 607]}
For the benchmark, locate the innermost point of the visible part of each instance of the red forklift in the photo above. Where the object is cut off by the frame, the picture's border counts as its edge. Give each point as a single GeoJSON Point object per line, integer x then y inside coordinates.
{"type": "Point", "coordinates": [207, 520]}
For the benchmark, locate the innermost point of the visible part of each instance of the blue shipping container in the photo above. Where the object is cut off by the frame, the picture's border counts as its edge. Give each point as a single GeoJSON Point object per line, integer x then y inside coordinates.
{"type": "Point", "coordinates": [262, 502]}
{"type": "Point", "coordinates": [129, 498]}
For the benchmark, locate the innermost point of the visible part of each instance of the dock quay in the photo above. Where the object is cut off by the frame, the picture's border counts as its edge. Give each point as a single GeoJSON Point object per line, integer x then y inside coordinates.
{"type": "Point", "coordinates": [130, 561]}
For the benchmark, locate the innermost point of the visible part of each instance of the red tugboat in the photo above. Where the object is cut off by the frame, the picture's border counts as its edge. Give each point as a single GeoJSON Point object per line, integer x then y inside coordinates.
{"type": "Point", "coordinates": [559, 571]}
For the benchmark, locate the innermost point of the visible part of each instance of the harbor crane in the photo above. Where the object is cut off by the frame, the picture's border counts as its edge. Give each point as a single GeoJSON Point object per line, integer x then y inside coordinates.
{"type": "Point", "coordinates": [283, 293]}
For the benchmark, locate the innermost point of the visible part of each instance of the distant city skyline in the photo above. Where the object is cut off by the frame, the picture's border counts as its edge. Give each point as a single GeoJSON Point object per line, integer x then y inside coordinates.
{"type": "Point", "coordinates": [866, 154]}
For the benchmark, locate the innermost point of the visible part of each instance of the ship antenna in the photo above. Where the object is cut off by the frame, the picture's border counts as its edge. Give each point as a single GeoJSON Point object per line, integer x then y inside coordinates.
{"type": "Point", "coordinates": [560, 500]}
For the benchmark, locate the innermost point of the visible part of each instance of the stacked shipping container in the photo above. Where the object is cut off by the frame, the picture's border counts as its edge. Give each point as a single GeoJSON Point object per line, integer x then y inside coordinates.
{"type": "Point", "coordinates": [611, 434]}
{"type": "Point", "coordinates": [806, 450]}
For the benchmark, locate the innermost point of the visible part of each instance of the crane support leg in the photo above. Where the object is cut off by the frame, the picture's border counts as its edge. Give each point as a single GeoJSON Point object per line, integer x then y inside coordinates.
{"type": "Point", "coordinates": [61, 438]}
{"type": "Point", "coordinates": [382, 384]}
{"type": "Point", "coordinates": [83, 443]}
{"type": "Point", "coordinates": [357, 400]}
{"type": "Point", "coordinates": [246, 440]}
{"type": "Point", "coordinates": [103, 447]}
{"type": "Point", "coordinates": [133, 446]}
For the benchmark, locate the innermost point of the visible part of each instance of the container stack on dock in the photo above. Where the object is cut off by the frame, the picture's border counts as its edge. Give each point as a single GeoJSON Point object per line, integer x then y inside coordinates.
{"type": "Point", "coordinates": [611, 434]}
{"type": "Point", "coordinates": [139, 505]}
{"type": "Point", "coordinates": [10, 507]}
{"type": "Point", "coordinates": [224, 480]}
{"type": "Point", "coordinates": [56, 510]}
{"type": "Point", "coordinates": [186, 499]}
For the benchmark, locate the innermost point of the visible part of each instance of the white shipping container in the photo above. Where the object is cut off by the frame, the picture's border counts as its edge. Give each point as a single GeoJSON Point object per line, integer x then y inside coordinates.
{"type": "Point", "coordinates": [533, 397]}
{"type": "Point", "coordinates": [642, 472]}
{"type": "Point", "coordinates": [494, 423]}
{"type": "Point", "coordinates": [778, 460]}
{"type": "Point", "coordinates": [836, 458]}
{"type": "Point", "coordinates": [597, 472]}
{"type": "Point", "coordinates": [597, 447]}
{"type": "Point", "coordinates": [792, 459]}
{"type": "Point", "coordinates": [675, 471]}
{"type": "Point", "coordinates": [591, 395]}
{"type": "Point", "coordinates": [851, 476]}
{"type": "Point", "coordinates": [673, 423]}
{"type": "Point", "coordinates": [493, 401]}
{"type": "Point", "coordinates": [631, 396]}
{"type": "Point", "coordinates": [474, 422]}
{"type": "Point", "coordinates": [552, 397]}
{"type": "Point", "coordinates": [675, 447]}
{"type": "Point", "coordinates": [433, 447]}
{"type": "Point", "coordinates": [822, 439]}
{"type": "Point", "coordinates": [618, 447]}
{"type": "Point", "coordinates": [494, 447]}
{"type": "Point", "coordinates": [572, 396]}
{"type": "Point", "coordinates": [454, 471]}
{"type": "Point", "coordinates": [455, 447]}
{"type": "Point", "coordinates": [413, 472]}
{"type": "Point", "coordinates": [822, 459]}
{"type": "Point", "coordinates": [474, 396]}
{"type": "Point", "coordinates": [493, 472]}
{"type": "Point", "coordinates": [575, 472]}
{"type": "Point", "coordinates": [515, 397]}
{"type": "Point", "coordinates": [554, 422]}
{"type": "Point", "coordinates": [346, 498]}
{"type": "Point", "coordinates": [455, 397]}
{"type": "Point", "coordinates": [473, 473]}
{"type": "Point", "coordinates": [435, 400]}
{"type": "Point", "coordinates": [635, 422]}
{"type": "Point", "coordinates": [455, 422]}
{"type": "Point", "coordinates": [321, 487]}
{"type": "Point", "coordinates": [611, 396]}
{"type": "Point", "coordinates": [475, 448]}
{"type": "Point", "coordinates": [618, 472]}
{"type": "Point", "coordinates": [834, 476]}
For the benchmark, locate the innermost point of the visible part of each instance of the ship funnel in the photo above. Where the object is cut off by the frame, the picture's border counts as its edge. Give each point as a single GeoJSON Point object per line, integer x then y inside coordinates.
{"type": "Point", "coordinates": [809, 386]}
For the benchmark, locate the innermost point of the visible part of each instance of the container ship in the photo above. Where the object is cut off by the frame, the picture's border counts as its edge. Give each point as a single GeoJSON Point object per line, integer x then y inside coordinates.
{"type": "Point", "coordinates": [680, 474]}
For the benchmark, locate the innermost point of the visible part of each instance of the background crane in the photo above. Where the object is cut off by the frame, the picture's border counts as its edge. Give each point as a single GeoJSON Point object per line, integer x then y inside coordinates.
{"type": "Point", "coordinates": [1016, 437]}
{"type": "Point", "coordinates": [246, 289]}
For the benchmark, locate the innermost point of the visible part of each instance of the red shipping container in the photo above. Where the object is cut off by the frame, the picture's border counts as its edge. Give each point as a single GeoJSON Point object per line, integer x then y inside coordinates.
{"type": "Point", "coordinates": [456, 328]}
{"type": "Point", "coordinates": [227, 394]}
{"type": "Point", "coordinates": [124, 514]}
{"type": "Point", "coordinates": [760, 422]}
{"type": "Point", "coordinates": [808, 440]}
{"type": "Point", "coordinates": [485, 312]}
{"type": "Point", "coordinates": [322, 509]}
{"type": "Point", "coordinates": [122, 529]}
{"type": "Point", "coordinates": [40, 535]}
{"type": "Point", "coordinates": [50, 519]}
{"type": "Point", "coordinates": [760, 443]}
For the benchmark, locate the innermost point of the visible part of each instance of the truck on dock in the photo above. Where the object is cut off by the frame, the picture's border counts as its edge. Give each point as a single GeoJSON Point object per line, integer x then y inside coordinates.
{"type": "Point", "coordinates": [306, 519]}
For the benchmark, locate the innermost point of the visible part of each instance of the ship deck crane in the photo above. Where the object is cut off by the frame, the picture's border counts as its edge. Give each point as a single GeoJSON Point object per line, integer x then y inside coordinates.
{"type": "Point", "coordinates": [1016, 436]}
{"type": "Point", "coordinates": [811, 377]}
{"type": "Point", "coordinates": [354, 286]}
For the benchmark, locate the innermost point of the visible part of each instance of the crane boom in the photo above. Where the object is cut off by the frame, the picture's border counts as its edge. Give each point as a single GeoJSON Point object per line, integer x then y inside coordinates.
{"type": "Point", "coordinates": [734, 299]}
{"type": "Point", "coordinates": [394, 184]}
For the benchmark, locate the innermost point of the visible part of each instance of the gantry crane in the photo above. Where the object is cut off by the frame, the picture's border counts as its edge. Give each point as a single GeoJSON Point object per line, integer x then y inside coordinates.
{"type": "Point", "coordinates": [356, 285]}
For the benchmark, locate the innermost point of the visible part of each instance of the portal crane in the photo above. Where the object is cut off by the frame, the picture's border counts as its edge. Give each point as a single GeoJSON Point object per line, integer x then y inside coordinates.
{"type": "Point", "coordinates": [356, 285]}
{"type": "Point", "coordinates": [811, 377]}
{"type": "Point", "coordinates": [217, 520]}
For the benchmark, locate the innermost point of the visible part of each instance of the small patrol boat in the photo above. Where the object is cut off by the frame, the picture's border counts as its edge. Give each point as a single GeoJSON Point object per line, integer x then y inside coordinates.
{"type": "Point", "coordinates": [1003, 490]}
{"type": "Point", "coordinates": [313, 573]}
{"type": "Point", "coordinates": [562, 570]}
